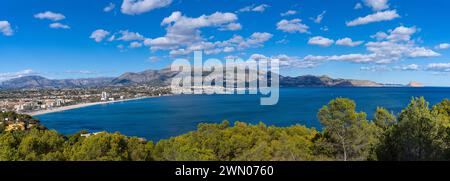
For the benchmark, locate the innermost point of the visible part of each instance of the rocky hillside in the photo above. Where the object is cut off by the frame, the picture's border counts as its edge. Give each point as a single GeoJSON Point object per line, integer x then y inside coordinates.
{"type": "Point", "coordinates": [28, 82]}
{"type": "Point", "coordinates": [163, 77]}
{"type": "Point", "coordinates": [324, 81]}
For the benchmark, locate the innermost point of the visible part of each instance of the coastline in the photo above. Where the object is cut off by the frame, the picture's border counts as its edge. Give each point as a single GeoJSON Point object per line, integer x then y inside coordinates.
{"type": "Point", "coordinates": [77, 106]}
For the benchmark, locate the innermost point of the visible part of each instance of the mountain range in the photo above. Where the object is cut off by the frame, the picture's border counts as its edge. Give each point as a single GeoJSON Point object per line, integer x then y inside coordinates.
{"type": "Point", "coordinates": [163, 77]}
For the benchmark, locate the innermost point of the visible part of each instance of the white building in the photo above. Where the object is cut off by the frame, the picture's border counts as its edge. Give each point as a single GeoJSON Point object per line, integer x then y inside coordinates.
{"type": "Point", "coordinates": [104, 96]}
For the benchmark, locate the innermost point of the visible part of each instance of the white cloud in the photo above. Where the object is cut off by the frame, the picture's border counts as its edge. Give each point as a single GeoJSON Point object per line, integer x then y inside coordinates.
{"type": "Point", "coordinates": [401, 33]}
{"type": "Point", "coordinates": [396, 46]}
{"type": "Point", "coordinates": [321, 41]}
{"type": "Point", "coordinates": [438, 67]}
{"type": "Point", "coordinates": [153, 58]}
{"type": "Point", "coordinates": [286, 61]}
{"type": "Point", "coordinates": [255, 40]}
{"type": "Point", "coordinates": [99, 35]}
{"type": "Point", "coordinates": [228, 49]}
{"type": "Point", "coordinates": [282, 41]}
{"type": "Point", "coordinates": [411, 67]}
{"type": "Point", "coordinates": [231, 57]}
{"type": "Point", "coordinates": [260, 8]}
{"type": "Point", "coordinates": [129, 36]}
{"type": "Point", "coordinates": [231, 27]}
{"type": "Point", "coordinates": [59, 26]}
{"type": "Point", "coordinates": [293, 61]}
{"type": "Point", "coordinates": [258, 56]}
{"type": "Point", "coordinates": [348, 42]}
{"type": "Point", "coordinates": [319, 17]}
{"type": "Point", "coordinates": [442, 46]}
{"type": "Point", "coordinates": [384, 68]}
{"type": "Point", "coordinates": [376, 17]}
{"type": "Point", "coordinates": [13, 75]}
{"type": "Point", "coordinates": [292, 26]}
{"type": "Point", "coordinates": [50, 15]}
{"type": "Point", "coordinates": [110, 7]}
{"type": "Point", "coordinates": [183, 32]}
{"type": "Point", "coordinates": [358, 6]}
{"type": "Point", "coordinates": [377, 5]}
{"type": "Point", "coordinates": [5, 28]}
{"type": "Point", "coordinates": [135, 7]}
{"type": "Point", "coordinates": [289, 13]}
{"type": "Point", "coordinates": [379, 35]}
{"type": "Point", "coordinates": [135, 44]}
{"type": "Point", "coordinates": [237, 42]}
{"type": "Point", "coordinates": [376, 68]}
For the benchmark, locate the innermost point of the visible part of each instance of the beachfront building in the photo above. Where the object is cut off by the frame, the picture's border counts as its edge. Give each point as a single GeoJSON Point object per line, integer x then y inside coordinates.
{"type": "Point", "coordinates": [104, 96]}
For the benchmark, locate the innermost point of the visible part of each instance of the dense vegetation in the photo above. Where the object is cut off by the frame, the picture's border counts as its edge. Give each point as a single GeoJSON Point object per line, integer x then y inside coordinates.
{"type": "Point", "coordinates": [417, 133]}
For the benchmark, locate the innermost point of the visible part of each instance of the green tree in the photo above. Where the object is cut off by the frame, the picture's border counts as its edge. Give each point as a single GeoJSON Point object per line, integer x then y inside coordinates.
{"type": "Point", "coordinates": [443, 107]}
{"type": "Point", "coordinates": [100, 147]}
{"type": "Point", "coordinates": [419, 135]}
{"type": "Point", "coordinates": [384, 119]}
{"type": "Point", "coordinates": [41, 145]}
{"type": "Point", "coordinates": [347, 134]}
{"type": "Point", "coordinates": [8, 147]}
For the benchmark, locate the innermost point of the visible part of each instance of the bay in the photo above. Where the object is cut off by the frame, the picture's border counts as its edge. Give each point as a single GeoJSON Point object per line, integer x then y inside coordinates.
{"type": "Point", "coordinates": [167, 116]}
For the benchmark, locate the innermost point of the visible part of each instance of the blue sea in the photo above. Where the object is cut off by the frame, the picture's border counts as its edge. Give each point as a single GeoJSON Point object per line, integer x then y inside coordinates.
{"type": "Point", "coordinates": [164, 117]}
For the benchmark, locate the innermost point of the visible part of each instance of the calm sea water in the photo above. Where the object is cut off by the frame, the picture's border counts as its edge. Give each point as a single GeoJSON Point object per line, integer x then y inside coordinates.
{"type": "Point", "coordinates": [164, 117]}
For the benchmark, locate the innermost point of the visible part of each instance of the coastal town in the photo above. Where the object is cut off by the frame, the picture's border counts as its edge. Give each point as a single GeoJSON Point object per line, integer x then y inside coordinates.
{"type": "Point", "coordinates": [38, 101]}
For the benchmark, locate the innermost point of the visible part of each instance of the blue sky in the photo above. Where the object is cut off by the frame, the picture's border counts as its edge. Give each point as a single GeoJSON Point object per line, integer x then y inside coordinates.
{"type": "Point", "coordinates": [388, 41]}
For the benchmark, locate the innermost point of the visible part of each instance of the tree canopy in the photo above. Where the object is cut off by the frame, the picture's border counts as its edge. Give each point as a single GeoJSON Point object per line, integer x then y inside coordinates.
{"type": "Point", "coordinates": [418, 132]}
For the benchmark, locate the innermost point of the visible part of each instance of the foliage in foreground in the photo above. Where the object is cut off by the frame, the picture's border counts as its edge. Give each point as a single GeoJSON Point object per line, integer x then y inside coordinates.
{"type": "Point", "coordinates": [417, 133]}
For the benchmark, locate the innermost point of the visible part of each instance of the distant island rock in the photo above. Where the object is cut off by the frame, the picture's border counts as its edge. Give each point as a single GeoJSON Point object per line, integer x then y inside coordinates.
{"type": "Point", "coordinates": [415, 84]}
{"type": "Point", "coordinates": [163, 77]}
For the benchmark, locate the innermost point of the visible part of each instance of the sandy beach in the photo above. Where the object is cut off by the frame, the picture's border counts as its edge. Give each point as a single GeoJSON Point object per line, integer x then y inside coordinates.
{"type": "Point", "coordinates": [65, 108]}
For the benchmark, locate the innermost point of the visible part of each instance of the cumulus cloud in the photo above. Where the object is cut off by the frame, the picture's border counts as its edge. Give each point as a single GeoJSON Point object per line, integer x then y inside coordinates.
{"type": "Point", "coordinates": [135, 7]}
{"type": "Point", "coordinates": [376, 17]}
{"type": "Point", "coordinates": [397, 45]}
{"type": "Point", "coordinates": [126, 35]}
{"type": "Point", "coordinates": [376, 68]}
{"type": "Point", "coordinates": [286, 61]}
{"type": "Point", "coordinates": [401, 33]}
{"type": "Point", "coordinates": [135, 44]}
{"type": "Point", "coordinates": [237, 42]}
{"type": "Point", "coordinates": [377, 5]}
{"type": "Point", "coordinates": [5, 28]}
{"type": "Point", "coordinates": [442, 46]}
{"type": "Point", "coordinates": [321, 41]}
{"type": "Point", "coordinates": [385, 68]}
{"type": "Point", "coordinates": [260, 8]}
{"type": "Point", "coordinates": [348, 42]}
{"type": "Point", "coordinates": [99, 35]}
{"type": "Point", "coordinates": [289, 13]}
{"type": "Point", "coordinates": [231, 27]}
{"type": "Point", "coordinates": [50, 16]}
{"type": "Point", "coordinates": [292, 26]}
{"type": "Point", "coordinates": [410, 67]}
{"type": "Point", "coordinates": [59, 26]}
{"type": "Point", "coordinates": [109, 7]}
{"type": "Point", "coordinates": [319, 17]}
{"type": "Point", "coordinates": [379, 35]}
{"type": "Point", "coordinates": [438, 67]}
{"type": "Point", "coordinates": [183, 34]}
